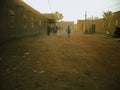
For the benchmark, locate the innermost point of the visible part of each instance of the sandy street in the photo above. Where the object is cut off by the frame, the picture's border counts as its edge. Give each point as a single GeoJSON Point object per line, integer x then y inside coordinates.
{"type": "Point", "coordinates": [81, 62]}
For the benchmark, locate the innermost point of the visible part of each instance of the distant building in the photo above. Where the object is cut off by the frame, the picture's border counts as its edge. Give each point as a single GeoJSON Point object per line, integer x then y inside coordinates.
{"type": "Point", "coordinates": [100, 25]}
{"type": "Point", "coordinates": [63, 25]}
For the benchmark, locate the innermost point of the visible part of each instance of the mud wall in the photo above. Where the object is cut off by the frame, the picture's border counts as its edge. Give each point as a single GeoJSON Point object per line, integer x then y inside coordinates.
{"type": "Point", "coordinates": [65, 24]}
{"type": "Point", "coordinates": [17, 19]}
{"type": "Point", "coordinates": [101, 25]}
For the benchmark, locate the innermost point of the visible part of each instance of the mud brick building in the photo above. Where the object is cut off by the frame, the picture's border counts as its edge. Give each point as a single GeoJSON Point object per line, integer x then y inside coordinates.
{"type": "Point", "coordinates": [100, 25]}
{"type": "Point", "coordinates": [17, 19]}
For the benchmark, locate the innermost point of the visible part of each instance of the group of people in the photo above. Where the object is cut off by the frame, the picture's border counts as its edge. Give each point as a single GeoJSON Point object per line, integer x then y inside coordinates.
{"type": "Point", "coordinates": [55, 29]}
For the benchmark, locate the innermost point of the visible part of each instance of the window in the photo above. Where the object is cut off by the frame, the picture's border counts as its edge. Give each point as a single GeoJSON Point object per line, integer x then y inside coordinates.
{"type": "Point", "coordinates": [24, 21]}
{"type": "Point", "coordinates": [11, 18]}
{"type": "Point", "coordinates": [32, 22]}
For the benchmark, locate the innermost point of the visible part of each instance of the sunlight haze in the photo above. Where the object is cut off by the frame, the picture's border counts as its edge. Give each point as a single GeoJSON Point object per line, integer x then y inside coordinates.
{"type": "Point", "coordinates": [73, 10]}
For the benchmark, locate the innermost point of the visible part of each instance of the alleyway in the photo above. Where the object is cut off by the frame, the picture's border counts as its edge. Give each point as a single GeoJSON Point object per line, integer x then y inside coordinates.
{"type": "Point", "coordinates": [81, 62]}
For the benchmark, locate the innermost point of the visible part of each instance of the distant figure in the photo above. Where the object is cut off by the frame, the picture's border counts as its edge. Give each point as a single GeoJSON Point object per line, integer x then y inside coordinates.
{"type": "Point", "coordinates": [68, 30]}
{"type": "Point", "coordinates": [48, 30]}
{"type": "Point", "coordinates": [55, 29]}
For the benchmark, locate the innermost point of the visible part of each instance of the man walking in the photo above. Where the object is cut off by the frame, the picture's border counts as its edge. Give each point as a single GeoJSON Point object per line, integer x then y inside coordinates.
{"type": "Point", "coordinates": [68, 30]}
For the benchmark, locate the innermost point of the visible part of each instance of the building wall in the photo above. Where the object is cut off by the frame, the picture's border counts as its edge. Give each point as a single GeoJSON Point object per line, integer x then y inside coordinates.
{"type": "Point", "coordinates": [81, 25]}
{"type": "Point", "coordinates": [101, 25]}
{"type": "Point", "coordinates": [64, 24]}
{"type": "Point", "coordinates": [17, 19]}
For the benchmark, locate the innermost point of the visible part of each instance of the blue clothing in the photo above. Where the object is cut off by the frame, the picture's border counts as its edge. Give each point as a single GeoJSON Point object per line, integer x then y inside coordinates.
{"type": "Point", "coordinates": [68, 30]}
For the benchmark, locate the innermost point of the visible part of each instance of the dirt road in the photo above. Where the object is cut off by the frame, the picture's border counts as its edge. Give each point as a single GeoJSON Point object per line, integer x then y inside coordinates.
{"type": "Point", "coordinates": [81, 62]}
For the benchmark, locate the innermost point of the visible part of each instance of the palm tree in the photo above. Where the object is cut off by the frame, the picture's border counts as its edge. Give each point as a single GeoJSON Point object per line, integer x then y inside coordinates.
{"type": "Point", "coordinates": [107, 14]}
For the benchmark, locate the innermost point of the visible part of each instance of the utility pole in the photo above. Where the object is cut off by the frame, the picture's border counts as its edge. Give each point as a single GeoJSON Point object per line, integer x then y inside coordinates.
{"type": "Point", "coordinates": [50, 6]}
{"type": "Point", "coordinates": [85, 22]}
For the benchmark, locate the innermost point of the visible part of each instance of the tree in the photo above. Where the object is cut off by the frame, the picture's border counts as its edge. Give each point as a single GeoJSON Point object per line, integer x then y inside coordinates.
{"type": "Point", "coordinates": [58, 16]}
{"type": "Point", "coordinates": [51, 21]}
{"type": "Point", "coordinates": [107, 14]}
{"type": "Point", "coordinates": [107, 24]}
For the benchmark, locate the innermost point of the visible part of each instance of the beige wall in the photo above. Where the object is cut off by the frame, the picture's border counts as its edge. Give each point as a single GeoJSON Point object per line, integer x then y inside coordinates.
{"type": "Point", "coordinates": [64, 25]}
{"type": "Point", "coordinates": [101, 25]}
{"type": "Point", "coordinates": [18, 19]}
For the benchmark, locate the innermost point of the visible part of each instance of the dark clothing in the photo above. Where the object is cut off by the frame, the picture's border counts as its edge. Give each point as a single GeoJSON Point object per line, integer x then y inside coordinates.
{"type": "Point", "coordinates": [55, 29]}
{"type": "Point", "coordinates": [48, 30]}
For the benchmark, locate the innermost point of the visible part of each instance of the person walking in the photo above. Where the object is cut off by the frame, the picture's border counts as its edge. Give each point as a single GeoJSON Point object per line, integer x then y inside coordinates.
{"type": "Point", "coordinates": [48, 30]}
{"type": "Point", "coordinates": [68, 30]}
{"type": "Point", "coordinates": [55, 29]}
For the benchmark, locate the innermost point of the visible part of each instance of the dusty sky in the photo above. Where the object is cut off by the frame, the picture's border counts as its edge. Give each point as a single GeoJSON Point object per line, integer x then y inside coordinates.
{"type": "Point", "coordinates": [73, 10]}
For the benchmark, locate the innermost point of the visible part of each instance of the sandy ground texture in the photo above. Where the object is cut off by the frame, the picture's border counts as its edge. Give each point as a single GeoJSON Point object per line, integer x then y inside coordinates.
{"type": "Point", "coordinates": [81, 62]}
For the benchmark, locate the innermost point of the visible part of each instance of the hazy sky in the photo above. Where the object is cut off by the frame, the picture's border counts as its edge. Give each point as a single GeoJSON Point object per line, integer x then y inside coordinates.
{"type": "Point", "coordinates": [73, 10]}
